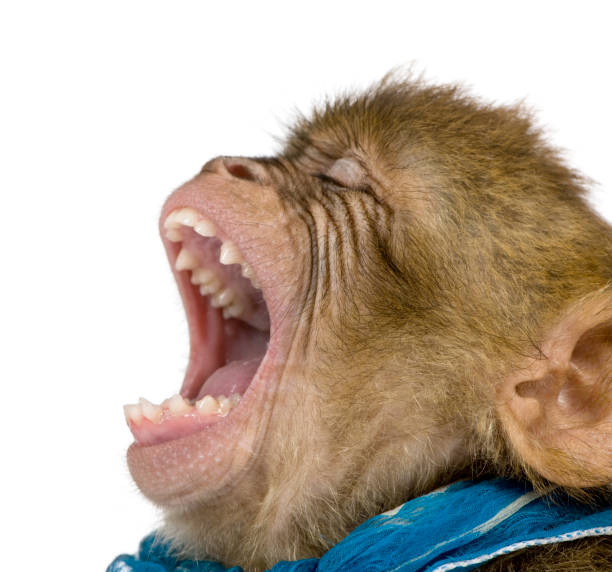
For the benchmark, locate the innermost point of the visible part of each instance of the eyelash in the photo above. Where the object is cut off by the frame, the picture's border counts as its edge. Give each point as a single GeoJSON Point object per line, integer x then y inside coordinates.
{"type": "Point", "coordinates": [327, 179]}
{"type": "Point", "coordinates": [366, 189]}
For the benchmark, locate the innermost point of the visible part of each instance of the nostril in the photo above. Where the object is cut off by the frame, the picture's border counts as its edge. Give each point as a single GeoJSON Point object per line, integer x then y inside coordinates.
{"type": "Point", "coordinates": [239, 170]}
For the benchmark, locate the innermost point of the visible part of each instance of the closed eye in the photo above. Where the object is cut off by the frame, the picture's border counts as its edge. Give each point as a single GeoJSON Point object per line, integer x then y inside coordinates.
{"type": "Point", "coordinates": [329, 180]}
{"type": "Point", "coordinates": [326, 179]}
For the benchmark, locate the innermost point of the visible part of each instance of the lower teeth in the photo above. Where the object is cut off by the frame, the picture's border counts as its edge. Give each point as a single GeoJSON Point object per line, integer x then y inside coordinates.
{"type": "Point", "coordinates": [178, 406]}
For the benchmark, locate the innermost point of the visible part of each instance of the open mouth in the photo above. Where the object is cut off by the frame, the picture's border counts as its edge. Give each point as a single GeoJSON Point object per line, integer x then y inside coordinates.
{"type": "Point", "coordinates": [229, 329]}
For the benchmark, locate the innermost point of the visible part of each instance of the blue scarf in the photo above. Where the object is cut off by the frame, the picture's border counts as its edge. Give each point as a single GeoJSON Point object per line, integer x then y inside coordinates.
{"type": "Point", "coordinates": [458, 527]}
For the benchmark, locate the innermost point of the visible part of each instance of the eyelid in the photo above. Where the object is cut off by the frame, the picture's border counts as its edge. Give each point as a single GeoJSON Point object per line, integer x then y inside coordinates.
{"type": "Point", "coordinates": [366, 189]}
{"type": "Point", "coordinates": [327, 179]}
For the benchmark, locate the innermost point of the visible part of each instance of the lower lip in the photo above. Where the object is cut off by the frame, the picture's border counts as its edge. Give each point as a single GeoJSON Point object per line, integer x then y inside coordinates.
{"type": "Point", "coordinates": [201, 465]}
{"type": "Point", "coordinates": [171, 428]}
{"type": "Point", "coordinates": [171, 472]}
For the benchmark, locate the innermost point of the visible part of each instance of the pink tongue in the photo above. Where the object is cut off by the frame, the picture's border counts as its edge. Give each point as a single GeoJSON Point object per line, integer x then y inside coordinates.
{"type": "Point", "coordinates": [231, 378]}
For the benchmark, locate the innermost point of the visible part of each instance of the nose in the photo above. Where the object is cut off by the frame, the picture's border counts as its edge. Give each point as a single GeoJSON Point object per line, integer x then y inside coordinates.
{"type": "Point", "coordinates": [237, 168]}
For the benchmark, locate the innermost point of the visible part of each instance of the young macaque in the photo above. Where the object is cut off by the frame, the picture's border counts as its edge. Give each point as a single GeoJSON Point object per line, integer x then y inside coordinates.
{"type": "Point", "coordinates": [412, 291]}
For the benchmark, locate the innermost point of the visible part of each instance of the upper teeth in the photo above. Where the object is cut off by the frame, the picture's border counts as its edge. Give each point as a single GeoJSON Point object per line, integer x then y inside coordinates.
{"type": "Point", "coordinates": [229, 254]}
{"type": "Point", "coordinates": [187, 217]}
{"type": "Point", "coordinates": [205, 228]}
{"type": "Point", "coordinates": [208, 279]}
{"type": "Point", "coordinates": [186, 260]}
{"type": "Point", "coordinates": [202, 275]}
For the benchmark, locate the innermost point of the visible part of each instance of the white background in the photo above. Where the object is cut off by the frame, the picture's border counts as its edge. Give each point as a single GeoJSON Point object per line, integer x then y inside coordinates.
{"type": "Point", "coordinates": [104, 109]}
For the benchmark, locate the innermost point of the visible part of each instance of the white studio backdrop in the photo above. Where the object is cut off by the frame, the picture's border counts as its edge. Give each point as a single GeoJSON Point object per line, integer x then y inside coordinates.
{"type": "Point", "coordinates": [105, 107]}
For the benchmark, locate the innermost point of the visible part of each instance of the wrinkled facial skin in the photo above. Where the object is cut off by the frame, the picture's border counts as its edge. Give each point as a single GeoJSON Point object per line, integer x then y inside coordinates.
{"type": "Point", "coordinates": [413, 246]}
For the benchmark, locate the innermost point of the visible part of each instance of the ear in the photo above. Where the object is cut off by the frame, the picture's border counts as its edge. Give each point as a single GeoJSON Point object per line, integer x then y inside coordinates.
{"type": "Point", "coordinates": [557, 410]}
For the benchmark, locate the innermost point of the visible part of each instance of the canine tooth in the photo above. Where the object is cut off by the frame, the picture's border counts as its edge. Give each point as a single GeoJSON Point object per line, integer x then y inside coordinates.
{"type": "Point", "coordinates": [174, 234]}
{"type": "Point", "coordinates": [223, 298]}
{"type": "Point", "coordinates": [186, 260]}
{"type": "Point", "coordinates": [132, 412]}
{"type": "Point", "coordinates": [235, 399]}
{"type": "Point", "coordinates": [232, 311]}
{"type": "Point", "coordinates": [149, 410]}
{"type": "Point", "coordinates": [224, 405]}
{"type": "Point", "coordinates": [208, 404]}
{"type": "Point", "coordinates": [229, 253]}
{"type": "Point", "coordinates": [177, 405]}
{"type": "Point", "coordinates": [205, 228]}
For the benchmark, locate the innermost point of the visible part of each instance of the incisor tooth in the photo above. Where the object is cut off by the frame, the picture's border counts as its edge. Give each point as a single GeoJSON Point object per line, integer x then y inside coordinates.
{"type": "Point", "coordinates": [205, 228]}
{"type": "Point", "coordinates": [223, 298]}
{"type": "Point", "coordinates": [207, 405]}
{"type": "Point", "coordinates": [186, 260]}
{"type": "Point", "coordinates": [174, 235]}
{"type": "Point", "coordinates": [229, 253]}
{"type": "Point", "coordinates": [132, 412]}
{"type": "Point", "coordinates": [172, 220]}
{"type": "Point", "coordinates": [187, 216]}
{"type": "Point", "coordinates": [149, 410]}
{"type": "Point", "coordinates": [177, 405]}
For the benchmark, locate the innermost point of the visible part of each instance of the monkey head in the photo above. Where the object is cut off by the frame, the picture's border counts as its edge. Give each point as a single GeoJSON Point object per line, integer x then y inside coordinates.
{"type": "Point", "coordinates": [412, 289]}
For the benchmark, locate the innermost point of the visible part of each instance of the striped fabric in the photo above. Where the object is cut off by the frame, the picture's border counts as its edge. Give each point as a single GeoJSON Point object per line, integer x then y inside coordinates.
{"type": "Point", "coordinates": [457, 527]}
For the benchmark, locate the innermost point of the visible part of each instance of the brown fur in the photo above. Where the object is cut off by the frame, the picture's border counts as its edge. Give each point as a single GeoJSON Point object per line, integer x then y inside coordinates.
{"type": "Point", "coordinates": [587, 555]}
{"type": "Point", "coordinates": [420, 291]}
